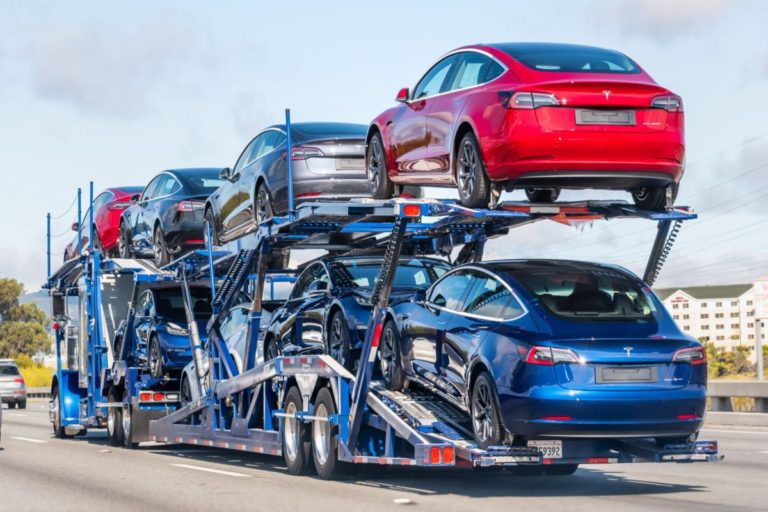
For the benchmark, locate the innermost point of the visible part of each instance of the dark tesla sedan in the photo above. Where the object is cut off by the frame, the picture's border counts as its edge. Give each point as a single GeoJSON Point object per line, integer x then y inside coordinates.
{"type": "Point", "coordinates": [167, 218]}
{"type": "Point", "coordinates": [328, 163]}
{"type": "Point", "coordinates": [158, 328]}
{"type": "Point", "coordinates": [542, 348]}
{"type": "Point", "coordinates": [331, 303]}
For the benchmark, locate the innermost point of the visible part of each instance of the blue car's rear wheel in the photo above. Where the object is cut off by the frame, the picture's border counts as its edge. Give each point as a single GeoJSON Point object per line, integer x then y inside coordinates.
{"type": "Point", "coordinates": [155, 359]}
{"type": "Point", "coordinates": [486, 420]}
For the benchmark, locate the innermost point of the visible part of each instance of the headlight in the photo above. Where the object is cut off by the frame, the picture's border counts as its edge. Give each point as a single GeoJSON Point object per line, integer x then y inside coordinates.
{"type": "Point", "coordinates": [362, 301]}
{"type": "Point", "coordinates": [175, 329]}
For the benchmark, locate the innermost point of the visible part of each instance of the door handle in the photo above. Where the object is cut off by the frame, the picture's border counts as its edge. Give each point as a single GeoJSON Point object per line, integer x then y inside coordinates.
{"type": "Point", "coordinates": [404, 316]}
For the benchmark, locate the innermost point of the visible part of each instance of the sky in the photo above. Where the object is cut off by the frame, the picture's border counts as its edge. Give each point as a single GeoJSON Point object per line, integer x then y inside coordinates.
{"type": "Point", "coordinates": [116, 92]}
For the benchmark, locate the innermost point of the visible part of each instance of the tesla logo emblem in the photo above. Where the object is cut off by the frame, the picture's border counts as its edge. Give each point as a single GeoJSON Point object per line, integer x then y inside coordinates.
{"type": "Point", "coordinates": [628, 350]}
{"type": "Point", "coordinates": [607, 95]}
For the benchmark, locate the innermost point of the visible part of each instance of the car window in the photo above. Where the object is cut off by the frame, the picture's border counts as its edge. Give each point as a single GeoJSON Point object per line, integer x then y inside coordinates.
{"type": "Point", "coordinates": [8, 369]}
{"type": "Point", "coordinates": [170, 303]}
{"type": "Point", "coordinates": [143, 308]}
{"type": "Point", "coordinates": [432, 82]}
{"type": "Point", "coordinates": [490, 298]}
{"type": "Point", "coordinates": [236, 320]}
{"type": "Point", "coordinates": [151, 190]}
{"type": "Point", "coordinates": [267, 142]}
{"type": "Point", "coordinates": [472, 69]}
{"type": "Point", "coordinates": [311, 275]}
{"type": "Point", "coordinates": [101, 200]}
{"type": "Point", "coordinates": [168, 186]}
{"type": "Point", "coordinates": [571, 58]}
{"type": "Point", "coordinates": [448, 291]}
{"type": "Point", "coordinates": [245, 156]}
{"type": "Point", "coordinates": [362, 273]}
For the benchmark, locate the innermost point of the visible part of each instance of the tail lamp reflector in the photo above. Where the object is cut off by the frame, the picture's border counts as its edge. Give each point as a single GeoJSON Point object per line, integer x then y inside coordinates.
{"type": "Point", "coordinates": [549, 356]}
{"type": "Point", "coordinates": [158, 397]}
{"type": "Point", "coordinates": [434, 455]}
{"type": "Point", "coordinates": [145, 397]}
{"type": "Point", "coordinates": [692, 355]}
{"type": "Point", "coordinates": [412, 210]}
{"type": "Point", "coordinates": [448, 455]}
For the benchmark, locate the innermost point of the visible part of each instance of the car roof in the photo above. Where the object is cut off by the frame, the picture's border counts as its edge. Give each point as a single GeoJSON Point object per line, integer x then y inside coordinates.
{"type": "Point", "coordinates": [522, 265]}
{"type": "Point", "coordinates": [324, 129]}
{"type": "Point", "coordinates": [126, 190]}
{"type": "Point", "coordinates": [328, 259]}
{"type": "Point", "coordinates": [526, 47]}
{"type": "Point", "coordinates": [195, 171]}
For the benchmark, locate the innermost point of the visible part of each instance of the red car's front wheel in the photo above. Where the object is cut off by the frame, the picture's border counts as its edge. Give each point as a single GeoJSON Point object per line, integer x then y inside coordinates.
{"type": "Point", "coordinates": [474, 186]}
{"type": "Point", "coordinates": [376, 169]}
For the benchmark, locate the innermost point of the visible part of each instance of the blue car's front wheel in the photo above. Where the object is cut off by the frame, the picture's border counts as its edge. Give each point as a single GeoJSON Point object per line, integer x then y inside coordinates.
{"type": "Point", "coordinates": [155, 359]}
{"type": "Point", "coordinates": [486, 420]}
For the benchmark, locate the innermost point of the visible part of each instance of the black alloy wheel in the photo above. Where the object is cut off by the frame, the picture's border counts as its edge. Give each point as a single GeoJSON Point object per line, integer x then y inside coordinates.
{"type": "Point", "coordinates": [486, 420]}
{"type": "Point", "coordinates": [542, 195]}
{"type": "Point", "coordinates": [380, 184]}
{"type": "Point", "coordinates": [185, 392]}
{"type": "Point", "coordinates": [155, 359]}
{"type": "Point", "coordinates": [474, 186]}
{"type": "Point", "coordinates": [389, 358]}
{"type": "Point", "coordinates": [271, 349]}
{"type": "Point", "coordinates": [649, 198]}
{"type": "Point", "coordinates": [124, 243]}
{"type": "Point", "coordinates": [339, 343]}
{"type": "Point", "coordinates": [263, 207]}
{"type": "Point", "coordinates": [160, 248]}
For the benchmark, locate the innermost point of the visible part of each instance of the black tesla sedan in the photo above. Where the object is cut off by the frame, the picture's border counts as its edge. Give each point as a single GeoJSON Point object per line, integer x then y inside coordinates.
{"type": "Point", "coordinates": [167, 218]}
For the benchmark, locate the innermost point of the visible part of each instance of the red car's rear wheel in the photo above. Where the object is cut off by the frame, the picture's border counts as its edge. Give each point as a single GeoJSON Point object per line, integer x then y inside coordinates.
{"type": "Point", "coordinates": [474, 186]}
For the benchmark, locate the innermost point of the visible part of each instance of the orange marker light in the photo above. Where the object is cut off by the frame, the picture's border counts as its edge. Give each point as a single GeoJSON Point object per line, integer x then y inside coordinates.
{"type": "Point", "coordinates": [412, 210]}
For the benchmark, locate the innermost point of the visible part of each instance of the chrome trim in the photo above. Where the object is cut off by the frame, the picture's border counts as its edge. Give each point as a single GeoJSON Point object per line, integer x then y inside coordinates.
{"type": "Point", "coordinates": [454, 52]}
{"type": "Point", "coordinates": [470, 315]}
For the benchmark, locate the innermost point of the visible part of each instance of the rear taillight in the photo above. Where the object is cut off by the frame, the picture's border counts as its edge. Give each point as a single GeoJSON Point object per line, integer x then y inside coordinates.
{"type": "Point", "coordinates": [308, 194]}
{"type": "Point", "coordinates": [692, 355]}
{"type": "Point", "coordinates": [120, 206]}
{"type": "Point", "coordinates": [549, 356]}
{"type": "Point", "coordinates": [19, 380]}
{"type": "Point", "coordinates": [304, 152]}
{"type": "Point", "coordinates": [527, 100]}
{"type": "Point", "coordinates": [145, 397]}
{"type": "Point", "coordinates": [669, 102]}
{"type": "Point", "coordinates": [189, 206]}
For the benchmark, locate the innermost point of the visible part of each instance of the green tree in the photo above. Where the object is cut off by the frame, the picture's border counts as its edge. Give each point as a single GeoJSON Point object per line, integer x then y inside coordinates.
{"type": "Point", "coordinates": [23, 327]}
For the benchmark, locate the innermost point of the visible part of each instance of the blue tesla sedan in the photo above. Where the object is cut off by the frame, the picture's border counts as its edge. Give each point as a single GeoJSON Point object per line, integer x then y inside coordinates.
{"type": "Point", "coordinates": [543, 348]}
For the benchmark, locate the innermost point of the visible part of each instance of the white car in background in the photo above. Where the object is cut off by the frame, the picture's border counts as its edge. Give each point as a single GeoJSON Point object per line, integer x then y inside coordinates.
{"type": "Point", "coordinates": [13, 388]}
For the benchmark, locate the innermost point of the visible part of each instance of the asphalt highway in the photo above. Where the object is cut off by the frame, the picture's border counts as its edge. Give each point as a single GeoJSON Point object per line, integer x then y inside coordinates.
{"type": "Point", "coordinates": [39, 472]}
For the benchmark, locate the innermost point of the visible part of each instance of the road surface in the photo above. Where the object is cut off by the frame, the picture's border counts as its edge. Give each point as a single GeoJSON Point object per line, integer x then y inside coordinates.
{"type": "Point", "coordinates": [39, 472]}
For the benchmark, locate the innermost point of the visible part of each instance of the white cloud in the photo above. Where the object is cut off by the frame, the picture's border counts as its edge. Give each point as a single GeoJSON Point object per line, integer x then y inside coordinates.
{"type": "Point", "coordinates": [665, 20]}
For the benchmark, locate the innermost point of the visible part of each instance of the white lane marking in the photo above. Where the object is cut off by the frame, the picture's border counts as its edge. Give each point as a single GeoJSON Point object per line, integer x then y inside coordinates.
{"type": "Point", "coordinates": [761, 432]}
{"type": "Point", "coordinates": [28, 439]}
{"type": "Point", "coordinates": [210, 470]}
{"type": "Point", "coordinates": [16, 415]}
{"type": "Point", "coordinates": [764, 451]}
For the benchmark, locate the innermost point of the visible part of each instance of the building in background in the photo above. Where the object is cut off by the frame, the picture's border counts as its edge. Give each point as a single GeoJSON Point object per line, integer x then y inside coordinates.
{"type": "Point", "coordinates": [723, 314]}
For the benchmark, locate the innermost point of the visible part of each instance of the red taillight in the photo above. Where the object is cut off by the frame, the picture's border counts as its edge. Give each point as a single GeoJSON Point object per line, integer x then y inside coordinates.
{"type": "Point", "coordinates": [145, 397]}
{"type": "Point", "coordinates": [527, 100]}
{"type": "Point", "coordinates": [684, 417]}
{"type": "Point", "coordinates": [304, 152]}
{"type": "Point", "coordinates": [692, 355]}
{"type": "Point", "coordinates": [549, 356]}
{"type": "Point", "coordinates": [158, 397]}
{"type": "Point", "coordinates": [434, 455]}
{"type": "Point", "coordinates": [669, 102]}
{"type": "Point", "coordinates": [120, 205]}
{"type": "Point", "coordinates": [412, 210]}
{"type": "Point", "coordinates": [448, 455]}
{"type": "Point", "coordinates": [19, 380]}
{"type": "Point", "coordinates": [556, 418]}
{"type": "Point", "coordinates": [308, 194]}
{"type": "Point", "coordinates": [189, 206]}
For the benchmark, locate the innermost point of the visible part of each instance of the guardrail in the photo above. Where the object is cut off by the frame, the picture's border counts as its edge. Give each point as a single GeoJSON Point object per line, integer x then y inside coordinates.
{"type": "Point", "coordinates": [721, 393]}
{"type": "Point", "coordinates": [42, 392]}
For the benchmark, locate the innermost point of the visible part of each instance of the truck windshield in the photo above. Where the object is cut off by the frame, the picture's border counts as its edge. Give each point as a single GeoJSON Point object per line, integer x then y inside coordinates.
{"type": "Point", "coordinates": [410, 273]}
{"type": "Point", "coordinates": [170, 304]}
{"type": "Point", "coordinates": [588, 293]}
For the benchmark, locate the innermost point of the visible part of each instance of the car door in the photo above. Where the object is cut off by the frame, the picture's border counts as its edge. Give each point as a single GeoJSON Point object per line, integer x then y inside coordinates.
{"type": "Point", "coordinates": [409, 130]}
{"type": "Point", "coordinates": [426, 325]}
{"type": "Point", "coordinates": [141, 242]}
{"type": "Point", "coordinates": [229, 198]}
{"type": "Point", "coordinates": [488, 303]}
{"type": "Point", "coordinates": [470, 69]}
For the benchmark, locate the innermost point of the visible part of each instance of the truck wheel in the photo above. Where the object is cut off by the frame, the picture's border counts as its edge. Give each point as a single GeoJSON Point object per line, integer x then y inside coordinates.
{"type": "Point", "coordinates": [324, 437]}
{"type": "Point", "coordinates": [114, 422]}
{"type": "Point", "coordinates": [296, 443]}
{"type": "Point", "coordinates": [11, 405]}
{"type": "Point", "coordinates": [389, 358]}
{"type": "Point", "coordinates": [58, 430]}
{"type": "Point", "coordinates": [127, 417]}
{"type": "Point", "coordinates": [486, 420]}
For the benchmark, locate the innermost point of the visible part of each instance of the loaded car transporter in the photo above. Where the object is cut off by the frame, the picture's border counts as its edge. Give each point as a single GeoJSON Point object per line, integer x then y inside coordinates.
{"type": "Point", "coordinates": [309, 409]}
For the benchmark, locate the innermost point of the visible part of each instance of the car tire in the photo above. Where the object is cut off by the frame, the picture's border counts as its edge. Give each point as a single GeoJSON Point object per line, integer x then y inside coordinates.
{"type": "Point", "coordinates": [484, 410]}
{"type": "Point", "coordinates": [339, 341]}
{"type": "Point", "coordinates": [379, 182]}
{"type": "Point", "coordinates": [210, 220]}
{"type": "Point", "coordinates": [160, 248]}
{"type": "Point", "coordinates": [124, 243]}
{"type": "Point", "coordinates": [271, 349]}
{"type": "Point", "coordinates": [325, 442]}
{"type": "Point", "coordinates": [390, 360]}
{"type": "Point", "coordinates": [653, 198]}
{"type": "Point", "coordinates": [295, 434]}
{"type": "Point", "coordinates": [185, 391]}
{"type": "Point", "coordinates": [114, 422]}
{"type": "Point", "coordinates": [472, 181]}
{"type": "Point", "coordinates": [155, 359]}
{"type": "Point", "coordinates": [11, 405]}
{"type": "Point", "coordinates": [22, 404]}
{"type": "Point", "coordinates": [262, 208]}
{"type": "Point", "coordinates": [542, 195]}
{"type": "Point", "coordinates": [58, 429]}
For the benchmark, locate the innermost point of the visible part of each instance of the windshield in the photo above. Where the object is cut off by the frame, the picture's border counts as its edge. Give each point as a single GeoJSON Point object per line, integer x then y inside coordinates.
{"type": "Point", "coordinates": [170, 304]}
{"type": "Point", "coordinates": [574, 59]}
{"type": "Point", "coordinates": [410, 273]}
{"type": "Point", "coordinates": [588, 293]}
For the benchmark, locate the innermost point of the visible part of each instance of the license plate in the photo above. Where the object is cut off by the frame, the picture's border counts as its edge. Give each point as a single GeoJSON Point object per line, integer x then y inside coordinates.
{"type": "Point", "coordinates": [548, 449]}
{"type": "Point", "coordinates": [609, 117]}
{"type": "Point", "coordinates": [350, 164]}
{"type": "Point", "coordinates": [624, 374]}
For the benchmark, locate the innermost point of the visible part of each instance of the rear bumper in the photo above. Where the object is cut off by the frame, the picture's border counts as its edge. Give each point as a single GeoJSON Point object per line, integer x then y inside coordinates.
{"type": "Point", "coordinates": [186, 232]}
{"type": "Point", "coordinates": [14, 396]}
{"type": "Point", "coordinates": [561, 412]}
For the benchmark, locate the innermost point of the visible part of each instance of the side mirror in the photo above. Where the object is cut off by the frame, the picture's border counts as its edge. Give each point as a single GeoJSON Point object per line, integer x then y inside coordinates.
{"type": "Point", "coordinates": [75, 226]}
{"type": "Point", "coordinates": [135, 198]}
{"type": "Point", "coordinates": [225, 173]}
{"type": "Point", "coordinates": [402, 95]}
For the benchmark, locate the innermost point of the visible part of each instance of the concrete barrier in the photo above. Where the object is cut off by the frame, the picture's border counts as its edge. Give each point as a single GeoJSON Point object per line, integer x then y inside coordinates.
{"type": "Point", "coordinates": [721, 392]}
{"type": "Point", "coordinates": [44, 392]}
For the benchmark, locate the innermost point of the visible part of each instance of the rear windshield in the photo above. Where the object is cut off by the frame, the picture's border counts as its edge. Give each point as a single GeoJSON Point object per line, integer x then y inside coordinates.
{"type": "Point", "coordinates": [573, 59]}
{"type": "Point", "coordinates": [202, 185]}
{"type": "Point", "coordinates": [170, 304]}
{"type": "Point", "coordinates": [362, 273]}
{"type": "Point", "coordinates": [8, 369]}
{"type": "Point", "coordinates": [587, 293]}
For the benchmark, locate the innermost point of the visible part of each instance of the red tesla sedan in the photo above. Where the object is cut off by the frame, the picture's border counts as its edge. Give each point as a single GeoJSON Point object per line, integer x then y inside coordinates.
{"type": "Point", "coordinates": [536, 116]}
{"type": "Point", "coordinates": [107, 208]}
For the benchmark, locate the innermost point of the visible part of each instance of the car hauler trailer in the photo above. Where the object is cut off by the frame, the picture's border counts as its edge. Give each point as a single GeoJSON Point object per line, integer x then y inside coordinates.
{"type": "Point", "coordinates": [310, 409]}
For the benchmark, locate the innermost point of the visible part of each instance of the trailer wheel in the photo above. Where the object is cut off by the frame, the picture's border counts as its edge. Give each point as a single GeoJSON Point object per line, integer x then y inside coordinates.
{"type": "Point", "coordinates": [295, 434]}
{"type": "Point", "coordinates": [389, 358]}
{"type": "Point", "coordinates": [486, 420]}
{"type": "Point", "coordinates": [114, 422]}
{"type": "Point", "coordinates": [324, 437]}
{"type": "Point", "coordinates": [127, 417]}
{"type": "Point", "coordinates": [58, 430]}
